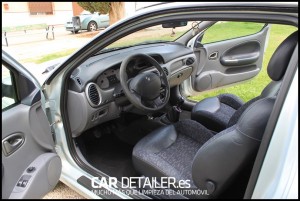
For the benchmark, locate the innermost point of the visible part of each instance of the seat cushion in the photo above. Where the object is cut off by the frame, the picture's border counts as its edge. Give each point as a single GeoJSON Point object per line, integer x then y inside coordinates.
{"type": "Point", "coordinates": [215, 112]}
{"type": "Point", "coordinates": [169, 151]}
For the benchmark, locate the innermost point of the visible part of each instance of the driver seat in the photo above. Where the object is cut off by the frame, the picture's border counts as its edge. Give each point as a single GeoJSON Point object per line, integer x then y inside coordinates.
{"type": "Point", "coordinates": [187, 150]}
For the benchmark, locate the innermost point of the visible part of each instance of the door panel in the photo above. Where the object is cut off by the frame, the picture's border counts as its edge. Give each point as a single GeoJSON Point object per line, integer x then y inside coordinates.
{"type": "Point", "coordinates": [30, 185]}
{"type": "Point", "coordinates": [229, 61]}
{"type": "Point", "coordinates": [30, 166]}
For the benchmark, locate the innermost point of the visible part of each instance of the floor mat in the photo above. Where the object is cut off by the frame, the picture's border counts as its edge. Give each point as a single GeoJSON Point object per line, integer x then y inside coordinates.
{"type": "Point", "coordinates": [136, 130]}
{"type": "Point", "coordinates": [108, 147]}
{"type": "Point", "coordinates": [111, 156]}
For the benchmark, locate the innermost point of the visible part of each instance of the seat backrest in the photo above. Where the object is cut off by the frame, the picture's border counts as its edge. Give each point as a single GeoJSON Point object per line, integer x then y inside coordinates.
{"type": "Point", "coordinates": [223, 156]}
{"type": "Point", "coordinates": [276, 69]}
{"type": "Point", "coordinates": [271, 89]}
{"type": "Point", "coordinates": [278, 64]}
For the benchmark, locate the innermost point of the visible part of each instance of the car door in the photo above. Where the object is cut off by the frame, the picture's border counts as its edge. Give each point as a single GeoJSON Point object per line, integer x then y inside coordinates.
{"type": "Point", "coordinates": [228, 52]}
{"type": "Point", "coordinates": [30, 166]}
{"type": "Point", "coordinates": [104, 20]}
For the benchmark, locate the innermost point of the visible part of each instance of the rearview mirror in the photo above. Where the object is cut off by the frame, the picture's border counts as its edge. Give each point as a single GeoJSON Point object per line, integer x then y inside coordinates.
{"type": "Point", "coordinates": [174, 24]}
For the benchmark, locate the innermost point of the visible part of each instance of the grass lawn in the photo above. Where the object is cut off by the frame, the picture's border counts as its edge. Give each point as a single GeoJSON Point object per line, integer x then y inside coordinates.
{"type": "Point", "coordinates": [51, 56]}
{"type": "Point", "coordinates": [252, 88]}
{"type": "Point", "coordinates": [227, 30]}
{"type": "Point", "coordinates": [22, 28]}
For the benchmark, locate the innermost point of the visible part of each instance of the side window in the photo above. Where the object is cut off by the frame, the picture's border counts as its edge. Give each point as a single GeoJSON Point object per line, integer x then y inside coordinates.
{"type": "Point", "coordinates": [9, 95]}
{"type": "Point", "coordinates": [229, 30]}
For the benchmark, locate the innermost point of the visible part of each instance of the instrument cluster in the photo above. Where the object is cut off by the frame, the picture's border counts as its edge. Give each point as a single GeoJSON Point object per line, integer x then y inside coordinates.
{"type": "Point", "coordinates": [109, 78]}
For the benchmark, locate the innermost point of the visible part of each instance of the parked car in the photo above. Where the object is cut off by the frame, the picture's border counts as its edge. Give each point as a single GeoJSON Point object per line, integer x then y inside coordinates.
{"type": "Point", "coordinates": [87, 21]}
{"type": "Point", "coordinates": [107, 120]}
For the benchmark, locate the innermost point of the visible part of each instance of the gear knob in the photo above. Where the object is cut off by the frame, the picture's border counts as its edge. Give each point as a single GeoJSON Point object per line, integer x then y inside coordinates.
{"type": "Point", "coordinates": [180, 102]}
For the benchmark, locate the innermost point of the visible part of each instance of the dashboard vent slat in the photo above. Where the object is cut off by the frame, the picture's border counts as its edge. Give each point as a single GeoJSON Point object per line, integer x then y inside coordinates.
{"type": "Point", "coordinates": [93, 94]}
{"type": "Point", "coordinates": [166, 71]}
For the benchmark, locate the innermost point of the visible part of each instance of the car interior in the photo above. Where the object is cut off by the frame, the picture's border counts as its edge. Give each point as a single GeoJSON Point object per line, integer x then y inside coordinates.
{"type": "Point", "coordinates": [129, 112]}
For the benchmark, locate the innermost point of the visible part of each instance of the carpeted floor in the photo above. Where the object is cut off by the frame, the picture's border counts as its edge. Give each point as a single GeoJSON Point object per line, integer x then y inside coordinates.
{"type": "Point", "coordinates": [109, 147]}
{"type": "Point", "coordinates": [111, 156]}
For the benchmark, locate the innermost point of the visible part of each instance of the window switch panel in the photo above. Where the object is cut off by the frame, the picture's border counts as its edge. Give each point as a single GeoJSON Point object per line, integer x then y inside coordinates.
{"type": "Point", "coordinates": [23, 181]}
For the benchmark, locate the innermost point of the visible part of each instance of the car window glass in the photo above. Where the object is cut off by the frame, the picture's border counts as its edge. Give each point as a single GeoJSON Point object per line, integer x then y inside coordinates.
{"type": "Point", "coordinates": [228, 30]}
{"type": "Point", "coordinates": [9, 96]}
{"type": "Point", "coordinates": [152, 34]}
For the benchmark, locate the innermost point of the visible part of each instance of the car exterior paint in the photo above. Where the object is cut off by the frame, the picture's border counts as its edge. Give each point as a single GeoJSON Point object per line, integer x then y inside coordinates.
{"type": "Point", "coordinates": [279, 174]}
{"type": "Point", "coordinates": [101, 20]}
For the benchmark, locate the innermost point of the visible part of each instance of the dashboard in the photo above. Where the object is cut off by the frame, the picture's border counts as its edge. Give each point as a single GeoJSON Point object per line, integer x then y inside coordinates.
{"type": "Point", "coordinates": [95, 94]}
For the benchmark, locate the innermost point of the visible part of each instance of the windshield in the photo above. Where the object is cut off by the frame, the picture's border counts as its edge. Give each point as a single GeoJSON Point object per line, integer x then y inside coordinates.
{"type": "Point", "coordinates": [153, 34]}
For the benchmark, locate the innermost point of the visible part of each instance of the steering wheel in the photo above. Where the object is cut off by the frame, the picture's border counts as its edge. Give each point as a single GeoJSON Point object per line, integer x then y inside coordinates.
{"type": "Point", "coordinates": [147, 91]}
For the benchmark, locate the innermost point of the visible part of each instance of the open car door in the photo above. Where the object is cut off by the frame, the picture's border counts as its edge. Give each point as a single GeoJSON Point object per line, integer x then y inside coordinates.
{"type": "Point", "coordinates": [30, 166]}
{"type": "Point", "coordinates": [227, 53]}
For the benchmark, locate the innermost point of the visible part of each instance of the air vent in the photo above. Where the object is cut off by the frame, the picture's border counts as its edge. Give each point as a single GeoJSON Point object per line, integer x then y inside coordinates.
{"type": "Point", "coordinates": [78, 80]}
{"type": "Point", "coordinates": [166, 71]}
{"type": "Point", "coordinates": [189, 61]}
{"type": "Point", "coordinates": [93, 94]}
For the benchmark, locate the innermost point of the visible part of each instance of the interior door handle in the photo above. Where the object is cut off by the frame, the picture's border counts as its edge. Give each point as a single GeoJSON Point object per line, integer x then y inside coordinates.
{"type": "Point", "coordinates": [213, 56]}
{"type": "Point", "coordinates": [240, 60]}
{"type": "Point", "coordinates": [12, 142]}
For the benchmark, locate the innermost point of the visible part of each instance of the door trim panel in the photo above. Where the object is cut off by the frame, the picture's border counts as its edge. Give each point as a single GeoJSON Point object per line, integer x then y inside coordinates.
{"type": "Point", "coordinates": [237, 60]}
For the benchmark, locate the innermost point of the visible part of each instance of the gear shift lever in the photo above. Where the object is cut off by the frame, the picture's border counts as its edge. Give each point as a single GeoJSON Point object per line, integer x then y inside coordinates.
{"type": "Point", "coordinates": [174, 113]}
{"type": "Point", "coordinates": [180, 102]}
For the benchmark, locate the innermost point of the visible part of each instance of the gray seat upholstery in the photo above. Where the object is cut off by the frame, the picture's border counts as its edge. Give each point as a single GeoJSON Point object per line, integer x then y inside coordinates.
{"type": "Point", "coordinates": [216, 113]}
{"type": "Point", "coordinates": [188, 150]}
{"type": "Point", "coordinates": [170, 150]}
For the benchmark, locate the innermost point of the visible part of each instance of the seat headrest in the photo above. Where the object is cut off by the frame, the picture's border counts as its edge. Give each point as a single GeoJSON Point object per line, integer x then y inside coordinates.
{"type": "Point", "coordinates": [281, 57]}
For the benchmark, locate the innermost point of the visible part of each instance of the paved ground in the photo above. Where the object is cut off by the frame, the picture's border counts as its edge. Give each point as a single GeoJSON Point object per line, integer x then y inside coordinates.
{"type": "Point", "coordinates": [34, 44]}
{"type": "Point", "coordinates": [27, 46]}
{"type": "Point", "coordinates": [61, 191]}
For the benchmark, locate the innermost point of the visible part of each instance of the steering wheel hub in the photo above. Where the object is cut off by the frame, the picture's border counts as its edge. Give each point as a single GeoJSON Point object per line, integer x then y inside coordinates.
{"type": "Point", "coordinates": [147, 85]}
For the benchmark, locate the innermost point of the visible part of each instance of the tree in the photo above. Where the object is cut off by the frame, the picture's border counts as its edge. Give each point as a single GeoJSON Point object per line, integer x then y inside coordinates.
{"type": "Point", "coordinates": [116, 10]}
